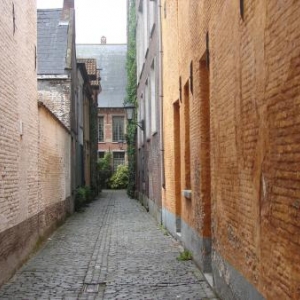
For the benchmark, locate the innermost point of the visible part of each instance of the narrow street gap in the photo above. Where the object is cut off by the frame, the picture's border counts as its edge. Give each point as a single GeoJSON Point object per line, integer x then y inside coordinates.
{"type": "Point", "coordinates": [112, 250]}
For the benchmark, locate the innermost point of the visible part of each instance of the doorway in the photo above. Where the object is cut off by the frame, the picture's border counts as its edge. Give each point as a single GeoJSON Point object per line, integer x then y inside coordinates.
{"type": "Point", "coordinates": [177, 165]}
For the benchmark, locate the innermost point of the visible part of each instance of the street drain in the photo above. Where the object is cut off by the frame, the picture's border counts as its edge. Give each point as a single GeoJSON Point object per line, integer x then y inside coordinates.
{"type": "Point", "coordinates": [94, 287]}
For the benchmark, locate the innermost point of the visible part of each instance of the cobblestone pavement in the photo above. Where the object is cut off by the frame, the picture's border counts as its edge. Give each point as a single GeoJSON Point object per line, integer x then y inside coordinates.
{"type": "Point", "coordinates": [114, 250]}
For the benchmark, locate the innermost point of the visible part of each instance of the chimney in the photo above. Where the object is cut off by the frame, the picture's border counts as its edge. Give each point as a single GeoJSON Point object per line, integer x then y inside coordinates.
{"type": "Point", "coordinates": [67, 6]}
{"type": "Point", "coordinates": [103, 40]}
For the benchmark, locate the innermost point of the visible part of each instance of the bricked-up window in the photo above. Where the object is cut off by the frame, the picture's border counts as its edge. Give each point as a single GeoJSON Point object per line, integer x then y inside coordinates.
{"type": "Point", "coordinates": [118, 129]}
{"type": "Point", "coordinates": [118, 159]}
{"type": "Point", "coordinates": [100, 129]}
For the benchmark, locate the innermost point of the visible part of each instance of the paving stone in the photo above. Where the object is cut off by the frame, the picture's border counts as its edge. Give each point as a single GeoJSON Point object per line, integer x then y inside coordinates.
{"type": "Point", "coordinates": [113, 250]}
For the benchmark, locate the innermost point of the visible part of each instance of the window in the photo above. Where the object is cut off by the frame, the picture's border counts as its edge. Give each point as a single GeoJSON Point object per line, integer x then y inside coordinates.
{"type": "Point", "coordinates": [151, 17]}
{"type": "Point", "coordinates": [100, 129]}
{"type": "Point", "coordinates": [101, 154]}
{"type": "Point", "coordinates": [118, 129]}
{"type": "Point", "coordinates": [146, 26]}
{"type": "Point", "coordinates": [141, 116]}
{"type": "Point", "coordinates": [153, 99]}
{"type": "Point", "coordinates": [148, 110]}
{"type": "Point", "coordinates": [118, 159]}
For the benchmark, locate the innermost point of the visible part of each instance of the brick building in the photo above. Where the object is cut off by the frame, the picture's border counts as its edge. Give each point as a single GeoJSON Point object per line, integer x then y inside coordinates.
{"type": "Point", "coordinates": [231, 134]}
{"type": "Point", "coordinates": [88, 87]}
{"type": "Point", "coordinates": [34, 143]}
{"type": "Point", "coordinates": [111, 60]}
{"type": "Point", "coordinates": [19, 208]}
{"type": "Point", "coordinates": [150, 177]}
{"type": "Point", "coordinates": [57, 77]}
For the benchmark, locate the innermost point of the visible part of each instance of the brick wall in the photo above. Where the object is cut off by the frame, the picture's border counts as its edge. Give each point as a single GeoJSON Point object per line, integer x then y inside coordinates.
{"type": "Point", "coordinates": [54, 168]}
{"type": "Point", "coordinates": [149, 178]}
{"type": "Point", "coordinates": [108, 114]}
{"type": "Point", "coordinates": [246, 143]}
{"type": "Point", "coordinates": [18, 126]}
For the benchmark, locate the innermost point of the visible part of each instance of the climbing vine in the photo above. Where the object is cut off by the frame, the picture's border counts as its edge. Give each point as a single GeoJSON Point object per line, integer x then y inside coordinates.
{"type": "Point", "coordinates": [131, 96]}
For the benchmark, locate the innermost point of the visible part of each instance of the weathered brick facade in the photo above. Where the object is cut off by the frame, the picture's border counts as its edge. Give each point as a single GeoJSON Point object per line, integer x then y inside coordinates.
{"type": "Point", "coordinates": [111, 60]}
{"type": "Point", "coordinates": [18, 132]}
{"type": "Point", "coordinates": [232, 141]}
{"type": "Point", "coordinates": [150, 149]}
{"type": "Point", "coordinates": [35, 151]}
{"type": "Point", "coordinates": [56, 96]}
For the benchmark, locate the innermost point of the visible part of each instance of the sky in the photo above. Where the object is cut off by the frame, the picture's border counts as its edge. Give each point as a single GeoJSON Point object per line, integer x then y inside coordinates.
{"type": "Point", "coordinates": [96, 18]}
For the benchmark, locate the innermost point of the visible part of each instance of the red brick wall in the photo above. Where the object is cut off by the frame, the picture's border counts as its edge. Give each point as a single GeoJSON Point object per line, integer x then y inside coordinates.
{"type": "Point", "coordinates": [254, 133]}
{"type": "Point", "coordinates": [108, 144]}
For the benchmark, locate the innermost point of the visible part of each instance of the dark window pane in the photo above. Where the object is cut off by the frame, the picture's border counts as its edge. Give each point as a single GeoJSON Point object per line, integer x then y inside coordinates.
{"type": "Point", "coordinates": [101, 154]}
{"type": "Point", "coordinates": [100, 129]}
{"type": "Point", "coordinates": [118, 129]}
{"type": "Point", "coordinates": [118, 159]}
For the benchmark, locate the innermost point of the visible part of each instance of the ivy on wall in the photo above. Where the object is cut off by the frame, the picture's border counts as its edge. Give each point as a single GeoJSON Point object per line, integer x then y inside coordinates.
{"type": "Point", "coordinates": [131, 95]}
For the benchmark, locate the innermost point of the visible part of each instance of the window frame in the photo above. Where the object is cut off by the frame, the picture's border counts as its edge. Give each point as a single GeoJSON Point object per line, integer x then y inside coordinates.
{"type": "Point", "coordinates": [120, 135]}
{"type": "Point", "coordinates": [103, 131]}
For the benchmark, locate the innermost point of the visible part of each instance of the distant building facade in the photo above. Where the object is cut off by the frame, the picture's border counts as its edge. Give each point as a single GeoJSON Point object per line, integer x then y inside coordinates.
{"type": "Point", "coordinates": [150, 174]}
{"type": "Point", "coordinates": [111, 61]}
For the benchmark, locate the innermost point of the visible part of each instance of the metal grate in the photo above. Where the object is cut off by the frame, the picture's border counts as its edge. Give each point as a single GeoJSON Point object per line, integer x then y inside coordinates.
{"type": "Point", "coordinates": [94, 288]}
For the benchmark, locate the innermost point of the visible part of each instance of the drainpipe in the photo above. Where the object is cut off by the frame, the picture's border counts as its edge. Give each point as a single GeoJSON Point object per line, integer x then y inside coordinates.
{"type": "Point", "coordinates": [161, 97]}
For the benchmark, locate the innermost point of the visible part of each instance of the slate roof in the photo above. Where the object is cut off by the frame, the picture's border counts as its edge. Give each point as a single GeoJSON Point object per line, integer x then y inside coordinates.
{"type": "Point", "coordinates": [111, 59]}
{"type": "Point", "coordinates": [52, 42]}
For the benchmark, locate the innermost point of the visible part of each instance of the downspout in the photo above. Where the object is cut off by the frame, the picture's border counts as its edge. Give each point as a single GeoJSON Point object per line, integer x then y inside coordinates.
{"type": "Point", "coordinates": [161, 97]}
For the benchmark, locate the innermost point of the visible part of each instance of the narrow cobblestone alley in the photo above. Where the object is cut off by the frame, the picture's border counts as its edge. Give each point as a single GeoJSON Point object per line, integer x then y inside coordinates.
{"type": "Point", "coordinates": [113, 250]}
